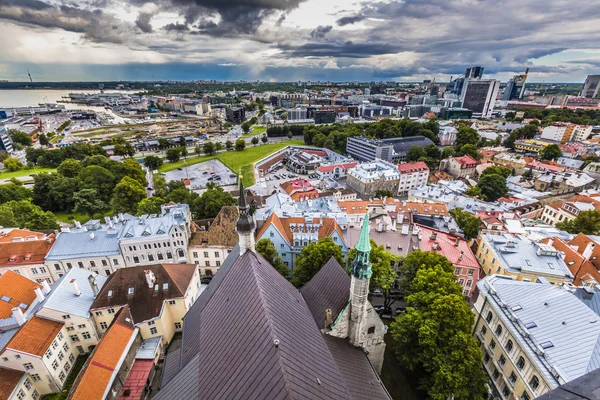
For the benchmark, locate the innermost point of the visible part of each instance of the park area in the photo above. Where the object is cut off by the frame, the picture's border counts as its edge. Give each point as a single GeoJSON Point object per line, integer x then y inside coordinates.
{"type": "Point", "coordinates": [236, 160]}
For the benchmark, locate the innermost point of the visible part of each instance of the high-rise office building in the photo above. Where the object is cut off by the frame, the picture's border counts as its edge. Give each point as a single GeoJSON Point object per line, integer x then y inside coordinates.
{"type": "Point", "coordinates": [479, 96]}
{"type": "Point", "coordinates": [474, 73]}
{"type": "Point", "coordinates": [591, 86]}
{"type": "Point", "coordinates": [516, 87]}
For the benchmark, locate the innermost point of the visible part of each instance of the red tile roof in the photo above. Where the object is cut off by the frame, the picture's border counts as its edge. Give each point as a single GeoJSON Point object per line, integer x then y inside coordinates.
{"type": "Point", "coordinates": [329, 168]}
{"type": "Point", "coordinates": [581, 268]}
{"type": "Point", "coordinates": [9, 379]}
{"type": "Point", "coordinates": [283, 225]}
{"type": "Point", "coordinates": [136, 380]}
{"type": "Point", "coordinates": [18, 289]}
{"type": "Point", "coordinates": [466, 161]}
{"type": "Point", "coordinates": [412, 167]}
{"type": "Point", "coordinates": [446, 245]}
{"type": "Point", "coordinates": [35, 336]}
{"type": "Point", "coordinates": [24, 252]}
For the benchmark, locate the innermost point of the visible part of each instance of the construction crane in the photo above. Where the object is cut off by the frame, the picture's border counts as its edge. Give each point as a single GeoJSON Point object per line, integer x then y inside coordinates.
{"type": "Point", "coordinates": [29, 75]}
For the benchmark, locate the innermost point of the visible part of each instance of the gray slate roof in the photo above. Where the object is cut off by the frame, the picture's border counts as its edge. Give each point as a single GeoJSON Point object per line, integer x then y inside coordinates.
{"type": "Point", "coordinates": [229, 351]}
{"type": "Point", "coordinates": [62, 297]}
{"type": "Point", "coordinates": [586, 387]}
{"type": "Point", "coordinates": [79, 243]}
{"type": "Point", "coordinates": [329, 288]}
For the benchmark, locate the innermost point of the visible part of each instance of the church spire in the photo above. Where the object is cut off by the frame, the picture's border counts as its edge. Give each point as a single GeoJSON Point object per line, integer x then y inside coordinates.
{"type": "Point", "coordinates": [361, 266]}
{"type": "Point", "coordinates": [245, 226]}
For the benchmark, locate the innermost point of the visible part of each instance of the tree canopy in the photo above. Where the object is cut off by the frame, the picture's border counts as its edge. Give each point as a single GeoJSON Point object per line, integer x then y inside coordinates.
{"type": "Point", "coordinates": [550, 152]}
{"type": "Point", "coordinates": [312, 258]}
{"type": "Point", "coordinates": [266, 248]}
{"type": "Point", "coordinates": [587, 222]}
{"type": "Point", "coordinates": [492, 186]}
{"type": "Point", "coordinates": [470, 224]}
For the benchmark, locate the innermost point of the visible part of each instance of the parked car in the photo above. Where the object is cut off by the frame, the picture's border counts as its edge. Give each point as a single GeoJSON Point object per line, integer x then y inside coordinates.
{"type": "Point", "coordinates": [377, 293]}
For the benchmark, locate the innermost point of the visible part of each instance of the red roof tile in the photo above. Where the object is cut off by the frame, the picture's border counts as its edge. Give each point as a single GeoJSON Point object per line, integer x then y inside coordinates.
{"type": "Point", "coordinates": [412, 167]}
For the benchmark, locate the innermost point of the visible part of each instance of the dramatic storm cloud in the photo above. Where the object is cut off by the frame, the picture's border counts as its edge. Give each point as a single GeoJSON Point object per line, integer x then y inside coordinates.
{"type": "Point", "coordinates": [299, 39]}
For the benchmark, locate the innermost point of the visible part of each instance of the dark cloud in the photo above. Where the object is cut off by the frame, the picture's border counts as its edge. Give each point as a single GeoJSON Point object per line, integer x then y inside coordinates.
{"type": "Point", "coordinates": [143, 21]}
{"type": "Point", "coordinates": [176, 27]}
{"type": "Point", "coordinates": [350, 20]}
{"type": "Point", "coordinates": [346, 49]}
{"type": "Point", "coordinates": [320, 32]}
{"type": "Point", "coordinates": [25, 4]}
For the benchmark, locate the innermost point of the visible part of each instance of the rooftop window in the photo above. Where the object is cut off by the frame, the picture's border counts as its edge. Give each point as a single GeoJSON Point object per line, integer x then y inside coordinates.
{"type": "Point", "coordinates": [165, 286]}
{"type": "Point", "coordinates": [530, 325]}
{"type": "Point", "coordinates": [130, 290]}
{"type": "Point", "coordinates": [546, 345]}
{"type": "Point", "coordinates": [110, 293]}
{"type": "Point", "coordinates": [516, 308]}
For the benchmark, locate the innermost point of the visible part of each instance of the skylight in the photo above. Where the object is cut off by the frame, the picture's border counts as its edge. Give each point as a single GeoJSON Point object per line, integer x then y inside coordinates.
{"type": "Point", "coordinates": [516, 308]}
{"type": "Point", "coordinates": [530, 325]}
{"type": "Point", "coordinates": [528, 262]}
{"type": "Point", "coordinates": [5, 298]}
{"type": "Point", "coordinates": [130, 290]}
{"type": "Point", "coordinates": [546, 345]}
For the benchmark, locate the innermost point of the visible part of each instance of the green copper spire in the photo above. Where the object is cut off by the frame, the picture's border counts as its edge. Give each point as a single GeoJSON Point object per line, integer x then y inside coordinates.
{"type": "Point", "coordinates": [361, 266]}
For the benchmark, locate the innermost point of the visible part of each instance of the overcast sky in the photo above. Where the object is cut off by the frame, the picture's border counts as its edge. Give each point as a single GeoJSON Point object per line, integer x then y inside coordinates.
{"type": "Point", "coordinates": [289, 40]}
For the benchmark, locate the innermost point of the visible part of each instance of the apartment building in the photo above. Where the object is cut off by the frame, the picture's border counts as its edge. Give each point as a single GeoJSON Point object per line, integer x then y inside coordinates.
{"type": "Point", "coordinates": [158, 297]}
{"type": "Point", "coordinates": [23, 251]}
{"type": "Point", "coordinates": [393, 150]}
{"type": "Point", "coordinates": [522, 259]}
{"type": "Point", "coordinates": [534, 336]}
{"type": "Point", "coordinates": [300, 189]}
{"type": "Point", "coordinates": [580, 255]}
{"type": "Point", "coordinates": [412, 175]}
{"type": "Point", "coordinates": [290, 235]}
{"type": "Point", "coordinates": [368, 178]}
{"type": "Point", "coordinates": [459, 167]}
{"type": "Point", "coordinates": [213, 240]}
{"type": "Point", "coordinates": [562, 132]}
{"type": "Point", "coordinates": [567, 210]}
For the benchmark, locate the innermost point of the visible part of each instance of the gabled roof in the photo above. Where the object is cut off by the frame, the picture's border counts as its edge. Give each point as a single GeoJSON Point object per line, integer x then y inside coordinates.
{"type": "Point", "coordinates": [327, 226]}
{"type": "Point", "coordinates": [62, 298]}
{"type": "Point", "coordinates": [466, 161]}
{"type": "Point", "coordinates": [15, 291]}
{"type": "Point", "coordinates": [221, 231]}
{"type": "Point", "coordinates": [328, 289]}
{"type": "Point", "coordinates": [97, 374]}
{"type": "Point", "coordinates": [581, 268]}
{"type": "Point", "coordinates": [460, 255]}
{"type": "Point", "coordinates": [145, 303]}
{"type": "Point", "coordinates": [412, 167]}
{"type": "Point", "coordinates": [35, 336]}
{"type": "Point", "coordinates": [258, 340]}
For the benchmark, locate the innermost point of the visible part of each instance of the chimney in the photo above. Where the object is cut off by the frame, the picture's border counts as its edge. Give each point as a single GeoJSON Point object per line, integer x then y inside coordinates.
{"type": "Point", "coordinates": [93, 284]}
{"type": "Point", "coordinates": [92, 235]}
{"type": "Point", "coordinates": [589, 249]}
{"type": "Point", "coordinates": [433, 236]}
{"type": "Point", "coordinates": [77, 224]}
{"type": "Point", "coordinates": [17, 314]}
{"type": "Point", "coordinates": [457, 241]}
{"type": "Point", "coordinates": [328, 318]}
{"type": "Point", "coordinates": [45, 287]}
{"type": "Point", "coordinates": [76, 290]}
{"type": "Point", "coordinates": [150, 278]}
{"type": "Point", "coordinates": [39, 295]}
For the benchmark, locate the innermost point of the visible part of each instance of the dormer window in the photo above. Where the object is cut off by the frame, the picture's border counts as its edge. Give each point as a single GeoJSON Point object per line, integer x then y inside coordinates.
{"type": "Point", "coordinates": [13, 258]}
{"type": "Point", "coordinates": [165, 286]}
{"type": "Point", "coordinates": [110, 293]}
{"type": "Point", "coordinates": [130, 290]}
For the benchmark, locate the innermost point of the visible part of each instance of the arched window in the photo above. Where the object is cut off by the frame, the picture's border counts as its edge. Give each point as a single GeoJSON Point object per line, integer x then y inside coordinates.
{"type": "Point", "coordinates": [150, 257]}
{"type": "Point", "coordinates": [521, 363]}
{"type": "Point", "coordinates": [180, 253]}
{"type": "Point", "coordinates": [208, 272]}
{"type": "Point", "coordinates": [489, 317]}
{"type": "Point", "coordinates": [169, 255]}
{"type": "Point", "coordinates": [534, 382]}
{"type": "Point", "coordinates": [509, 346]}
{"type": "Point", "coordinates": [159, 255]}
{"type": "Point", "coordinates": [499, 330]}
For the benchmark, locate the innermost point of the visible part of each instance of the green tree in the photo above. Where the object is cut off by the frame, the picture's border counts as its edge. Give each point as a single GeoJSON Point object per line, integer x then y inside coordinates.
{"type": "Point", "coordinates": [587, 222]}
{"type": "Point", "coordinates": [380, 193]}
{"type": "Point", "coordinates": [163, 143]}
{"type": "Point", "coordinates": [414, 261]}
{"type": "Point", "coordinates": [127, 194]}
{"type": "Point", "coordinates": [159, 185]}
{"type": "Point", "coordinates": [254, 140]}
{"type": "Point", "coordinates": [240, 144]}
{"type": "Point", "coordinates": [124, 149]}
{"type": "Point", "coordinates": [246, 127]}
{"type": "Point", "coordinates": [415, 153]}
{"type": "Point", "coordinates": [219, 146]}
{"type": "Point", "coordinates": [510, 140]}
{"type": "Point", "coordinates": [153, 162]}
{"type": "Point", "coordinates": [264, 138]}
{"type": "Point", "coordinates": [550, 152]}
{"type": "Point", "coordinates": [13, 164]}
{"type": "Point", "coordinates": [43, 139]}
{"type": "Point", "coordinates": [70, 168]}
{"type": "Point", "coordinates": [99, 178]}
{"type": "Point", "coordinates": [183, 151]}
{"type": "Point", "coordinates": [87, 201]}
{"type": "Point", "coordinates": [433, 151]}
{"type": "Point", "coordinates": [173, 155]}
{"type": "Point", "coordinates": [27, 215]}
{"type": "Point", "coordinates": [465, 135]}
{"type": "Point", "coordinates": [319, 140]}
{"type": "Point", "coordinates": [133, 169]}
{"type": "Point", "coordinates": [266, 248]}
{"type": "Point", "coordinates": [20, 137]}
{"type": "Point", "coordinates": [470, 224]}
{"type": "Point", "coordinates": [505, 172]}
{"type": "Point", "coordinates": [150, 205]}
{"type": "Point", "coordinates": [492, 186]}
{"type": "Point", "coordinates": [228, 144]}
{"type": "Point", "coordinates": [211, 201]}
{"type": "Point", "coordinates": [447, 151]}
{"type": "Point", "coordinates": [290, 135]}
{"type": "Point", "coordinates": [14, 191]}
{"type": "Point", "coordinates": [208, 148]}
{"type": "Point", "coordinates": [434, 335]}
{"type": "Point", "coordinates": [384, 276]}
{"type": "Point", "coordinates": [312, 258]}
{"type": "Point", "coordinates": [469, 150]}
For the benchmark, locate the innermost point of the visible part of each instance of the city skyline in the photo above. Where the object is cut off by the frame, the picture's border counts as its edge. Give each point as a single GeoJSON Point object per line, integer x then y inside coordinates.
{"type": "Point", "coordinates": [289, 40]}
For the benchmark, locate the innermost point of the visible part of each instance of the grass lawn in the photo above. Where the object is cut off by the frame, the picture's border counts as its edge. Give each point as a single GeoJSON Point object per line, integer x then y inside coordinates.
{"type": "Point", "coordinates": [237, 159]}
{"type": "Point", "coordinates": [4, 174]}
{"type": "Point", "coordinates": [256, 130]}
